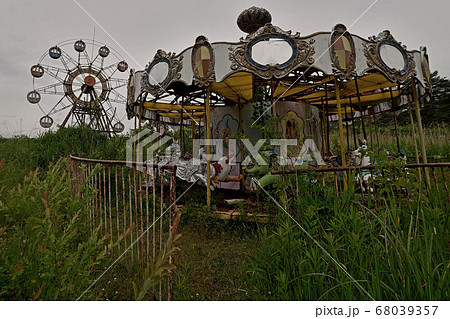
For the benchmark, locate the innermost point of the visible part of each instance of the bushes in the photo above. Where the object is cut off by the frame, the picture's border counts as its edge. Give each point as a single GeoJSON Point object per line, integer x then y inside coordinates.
{"type": "Point", "coordinates": [46, 249]}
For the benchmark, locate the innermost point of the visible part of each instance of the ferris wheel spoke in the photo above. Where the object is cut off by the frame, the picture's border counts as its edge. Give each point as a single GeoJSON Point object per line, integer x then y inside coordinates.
{"type": "Point", "coordinates": [55, 72]}
{"type": "Point", "coordinates": [59, 106]}
{"type": "Point", "coordinates": [116, 97]}
{"type": "Point", "coordinates": [55, 89]}
{"type": "Point", "coordinates": [113, 112]}
{"type": "Point", "coordinates": [86, 56]}
{"type": "Point", "coordinates": [110, 70]}
{"type": "Point", "coordinates": [66, 60]}
{"type": "Point", "coordinates": [117, 83]}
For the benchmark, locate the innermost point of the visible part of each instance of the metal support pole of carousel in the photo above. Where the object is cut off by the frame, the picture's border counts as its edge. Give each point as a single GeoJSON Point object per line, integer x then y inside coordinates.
{"type": "Point", "coordinates": [419, 125]}
{"type": "Point", "coordinates": [413, 134]}
{"type": "Point", "coordinates": [361, 114]}
{"type": "Point", "coordinates": [208, 149]}
{"type": "Point", "coordinates": [395, 119]}
{"type": "Point", "coordinates": [341, 129]}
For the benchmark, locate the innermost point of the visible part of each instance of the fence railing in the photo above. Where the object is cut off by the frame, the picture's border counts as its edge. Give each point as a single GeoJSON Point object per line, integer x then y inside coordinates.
{"type": "Point", "coordinates": [366, 177]}
{"type": "Point", "coordinates": [133, 206]}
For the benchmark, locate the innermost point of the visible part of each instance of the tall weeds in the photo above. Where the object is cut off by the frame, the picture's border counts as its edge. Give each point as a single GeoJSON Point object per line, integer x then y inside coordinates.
{"type": "Point", "coordinates": [394, 246]}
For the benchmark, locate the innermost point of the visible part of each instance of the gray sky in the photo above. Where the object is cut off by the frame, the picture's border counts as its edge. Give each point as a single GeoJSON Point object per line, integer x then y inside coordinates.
{"type": "Point", "coordinates": [28, 28]}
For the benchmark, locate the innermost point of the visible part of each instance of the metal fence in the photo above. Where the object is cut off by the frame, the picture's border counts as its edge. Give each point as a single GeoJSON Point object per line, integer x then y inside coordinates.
{"type": "Point", "coordinates": [133, 206]}
{"type": "Point", "coordinates": [431, 178]}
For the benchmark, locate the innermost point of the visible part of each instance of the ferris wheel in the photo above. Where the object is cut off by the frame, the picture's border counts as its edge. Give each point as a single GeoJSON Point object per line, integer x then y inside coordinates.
{"type": "Point", "coordinates": [82, 85]}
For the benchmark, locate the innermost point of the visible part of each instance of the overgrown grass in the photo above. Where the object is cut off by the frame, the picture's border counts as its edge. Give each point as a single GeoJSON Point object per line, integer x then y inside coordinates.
{"type": "Point", "coordinates": [395, 249]}
{"type": "Point", "coordinates": [437, 143]}
{"type": "Point", "coordinates": [46, 249]}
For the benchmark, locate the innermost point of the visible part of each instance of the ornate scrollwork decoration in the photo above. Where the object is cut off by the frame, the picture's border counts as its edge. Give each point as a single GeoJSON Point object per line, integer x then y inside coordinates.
{"type": "Point", "coordinates": [342, 53]}
{"type": "Point", "coordinates": [202, 60]}
{"type": "Point", "coordinates": [241, 56]}
{"type": "Point", "coordinates": [425, 64]}
{"type": "Point", "coordinates": [155, 86]}
{"type": "Point", "coordinates": [372, 51]}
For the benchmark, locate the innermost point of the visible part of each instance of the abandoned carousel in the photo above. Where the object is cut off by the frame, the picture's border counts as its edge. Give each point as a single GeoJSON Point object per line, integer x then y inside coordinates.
{"type": "Point", "coordinates": [283, 89]}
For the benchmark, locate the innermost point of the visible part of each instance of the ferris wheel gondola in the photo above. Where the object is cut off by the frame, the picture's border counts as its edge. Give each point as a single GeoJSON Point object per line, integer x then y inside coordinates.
{"type": "Point", "coordinates": [84, 81]}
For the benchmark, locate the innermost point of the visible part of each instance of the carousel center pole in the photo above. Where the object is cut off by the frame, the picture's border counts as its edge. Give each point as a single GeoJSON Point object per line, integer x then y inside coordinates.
{"type": "Point", "coordinates": [208, 149]}
{"type": "Point", "coordinates": [341, 129]}
{"type": "Point", "coordinates": [419, 125]}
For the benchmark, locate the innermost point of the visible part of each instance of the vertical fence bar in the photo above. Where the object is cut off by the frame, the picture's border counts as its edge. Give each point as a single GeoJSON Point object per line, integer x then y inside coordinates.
{"type": "Point", "coordinates": [147, 216]}
{"type": "Point", "coordinates": [161, 172]}
{"type": "Point", "coordinates": [124, 200]}
{"type": "Point", "coordinates": [445, 183]}
{"type": "Point", "coordinates": [172, 215]}
{"type": "Point", "coordinates": [142, 220]}
{"type": "Point", "coordinates": [105, 200]}
{"type": "Point", "coordinates": [136, 211]}
{"type": "Point", "coordinates": [110, 207]}
{"type": "Point", "coordinates": [131, 215]}
{"type": "Point", "coordinates": [436, 185]}
{"type": "Point", "coordinates": [153, 223]}
{"type": "Point", "coordinates": [117, 208]}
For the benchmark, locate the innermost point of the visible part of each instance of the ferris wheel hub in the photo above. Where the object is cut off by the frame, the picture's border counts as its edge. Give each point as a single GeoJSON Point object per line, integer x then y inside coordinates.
{"type": "Point", "coordinates": [89, 80]}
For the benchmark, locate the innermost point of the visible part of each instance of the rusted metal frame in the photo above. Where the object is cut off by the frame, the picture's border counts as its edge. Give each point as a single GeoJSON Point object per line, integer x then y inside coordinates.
{"type": "Point", "coordinates": [327, 119]}
{"type": "Point", "coordinates": [445, 183]}
{"type": "Point", "coordinates": [358, 95]}
{"type": "Point", "coordinates": [353, 125]}
{"type": "Point", "coordinates": [341, 129]}
{"type": "Point", "coordinates": [132, 163]}
{"type": "Point", "coordinates": [413, 134]}
{"type": "Point", "coordinates": [346, 128]}
{"type": "Point", "coordinates": [322, 131]}
{"type": "Point", "coordinates": [376, 126]}
{"type": "Point", "coordinates": [336, 184]}
{"type": "Point", "coordinates": [395, 120]}
{"type": "Point", "coordinates": [419, 125]}
{"type": "Point", "coordinates": [347, 168]}
{"type": "Point", "coordinates": [370, 128]}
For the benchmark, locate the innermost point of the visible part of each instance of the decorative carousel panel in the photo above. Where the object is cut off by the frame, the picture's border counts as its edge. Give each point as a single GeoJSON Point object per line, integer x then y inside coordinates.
{"type": "Point", "coordinates": [271, 52]}
{"type": "Point", "coordinates": [203, 62]}
{"type": "Point", "coordinates": [425, 65]}
{"type": "Point", "coordinates": [161, 72]}
{"type": "Point", "coordinates": [342, 52]}
{"type": "Point", "coordinates": [389, 56]}
{"type": "Point", "coordinates": [225, 123]}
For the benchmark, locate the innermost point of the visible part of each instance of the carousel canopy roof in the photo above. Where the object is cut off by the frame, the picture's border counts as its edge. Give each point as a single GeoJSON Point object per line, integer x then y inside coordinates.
{"type": "Point", "coordinates": [368, 71]}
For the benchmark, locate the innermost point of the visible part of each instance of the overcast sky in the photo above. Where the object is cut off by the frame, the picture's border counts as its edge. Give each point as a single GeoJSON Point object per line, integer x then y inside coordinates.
{"type": "Point", "coordinates": [137, 28]}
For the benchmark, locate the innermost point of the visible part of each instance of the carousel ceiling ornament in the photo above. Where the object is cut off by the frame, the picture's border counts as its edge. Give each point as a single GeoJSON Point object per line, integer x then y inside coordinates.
{"type": "Point", "coordinates": [271, 52]}
{"type": "Point", "coordinates": [342, 53]}
{"type": "Point", "coordinates": [385, 54]}
{"type": "Point", "coordinates": [203, 62]}
{"type": "Point", "coordinates": [161, 72]}
{"type": "Point", "coordinates": [251, 19]}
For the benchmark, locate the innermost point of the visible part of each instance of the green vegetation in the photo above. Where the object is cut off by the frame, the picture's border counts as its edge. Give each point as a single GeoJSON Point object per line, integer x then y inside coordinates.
{"type": "Point", "coordinates": [393, 242]}
{"type": "Point", "coordinates": [46, 250]}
